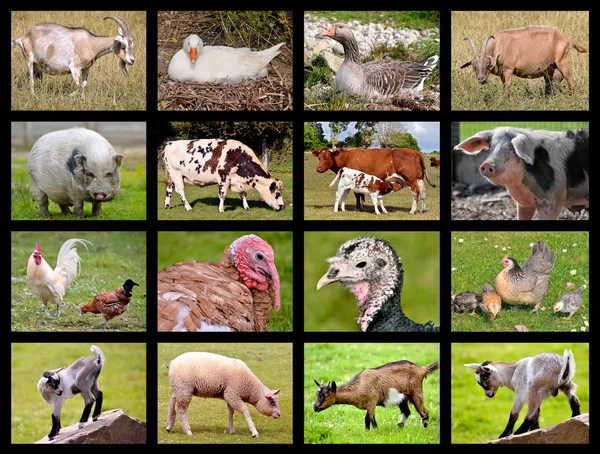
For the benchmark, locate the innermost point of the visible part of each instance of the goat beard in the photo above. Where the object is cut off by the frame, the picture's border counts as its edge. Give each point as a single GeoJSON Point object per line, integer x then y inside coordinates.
{"type": "Point", "coordinates": [123, 66]}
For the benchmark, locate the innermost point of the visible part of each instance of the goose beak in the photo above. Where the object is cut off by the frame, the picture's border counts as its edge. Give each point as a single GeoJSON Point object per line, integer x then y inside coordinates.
{"type": "Point", "coordinates": [193, 54]}
{"type": "Point", "coordinates": [329, 32]}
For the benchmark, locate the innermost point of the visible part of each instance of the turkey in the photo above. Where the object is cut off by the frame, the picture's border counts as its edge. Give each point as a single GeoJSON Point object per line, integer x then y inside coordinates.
{"type": "Point", "coordinates": [378, 79]}
{"type": "Point", "coordinates": [195, 62]}
{"type": "Point", "coordinates": [235, 294]}
{"type": "Point", "coordinates": [371, 269]}
{"type": "Point", "coordinates": [528, 284]}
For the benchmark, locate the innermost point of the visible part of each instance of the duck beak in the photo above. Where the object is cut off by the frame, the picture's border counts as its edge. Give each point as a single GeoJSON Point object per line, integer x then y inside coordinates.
{"type": "Point", "coordinates": [193, 54]}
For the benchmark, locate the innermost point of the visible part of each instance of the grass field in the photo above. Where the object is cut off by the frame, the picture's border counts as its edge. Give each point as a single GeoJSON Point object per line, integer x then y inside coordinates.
{"type": "Point", "coordinates": [470, 128]}
{"type": "Point", "coordinates": [476, 260]}
{"type": "Point", "coordinates": [270, 362]}
{"type": "Point", "coordinates": [345, 424]}
{"type": "Point", "coordinates": [174, 247]}
{"type": "Point", "coordinates": [205, 203]}
{"type": "Point", "coordinates": [107, 88]}
{"type": "Point", "coordinates": [113, 258]}
{"type": "Point", "coordinates": [122, 380]}
{"type": "Point", "coordinates": [477, 418]}
{"type": "Point", "coordinates": [128, 204]}
{"type": "Point", "coordinates": [333, 308]}
{"type": "Point", "coordinates": [319, 197]}
{"type": "Point", "coordinates": [525, 94]}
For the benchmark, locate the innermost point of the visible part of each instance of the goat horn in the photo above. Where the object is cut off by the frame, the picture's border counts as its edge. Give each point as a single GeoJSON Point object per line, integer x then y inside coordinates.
{"type": "Point", "coordinates": [472, 45]}
{"type": "Point", "coordinates": [483, 49]}
{"type": "Point", "coordinates": [123, 23]}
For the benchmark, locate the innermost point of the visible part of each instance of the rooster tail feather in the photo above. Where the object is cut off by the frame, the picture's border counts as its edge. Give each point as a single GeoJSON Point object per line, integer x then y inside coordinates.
{"type": "Point", "coordinates": [68, 261]}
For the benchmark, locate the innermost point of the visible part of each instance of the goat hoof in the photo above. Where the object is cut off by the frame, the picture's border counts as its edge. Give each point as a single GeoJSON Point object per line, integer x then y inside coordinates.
{"type": "Point", "coordinates": [400, 424]}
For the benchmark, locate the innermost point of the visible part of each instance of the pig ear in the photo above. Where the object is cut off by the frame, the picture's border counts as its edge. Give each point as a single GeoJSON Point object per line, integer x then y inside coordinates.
{"type": "Point", "coordinates": [523, 148]}
{"type": "Point", "coordinates": [118, 160]}
{"type": "Point", "coordinates": [79, 160]}
{"type": "Point", "coordinates": [476, 143]}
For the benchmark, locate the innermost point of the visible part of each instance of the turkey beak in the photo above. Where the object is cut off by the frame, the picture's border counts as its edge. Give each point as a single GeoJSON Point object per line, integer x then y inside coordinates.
{"type": "Point", "coordinates": [266, 273]}
{"type": "Point", "coordinates": [193, 54]}
{"type": "Point", "coordinates": [328, 278]}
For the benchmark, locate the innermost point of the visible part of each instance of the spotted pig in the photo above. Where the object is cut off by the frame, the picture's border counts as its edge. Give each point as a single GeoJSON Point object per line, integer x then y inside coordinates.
{"type": "Point", "coordinates": [542, 170]}
{"type": "Point", "coordinates": [227, 163]}
{"type": "Point", "coordinates": [363, 183]}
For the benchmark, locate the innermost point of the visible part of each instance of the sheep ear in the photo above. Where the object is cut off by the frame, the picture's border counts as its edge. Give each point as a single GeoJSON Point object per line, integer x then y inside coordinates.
{"type": "Point", "coordinates": [472, 366]}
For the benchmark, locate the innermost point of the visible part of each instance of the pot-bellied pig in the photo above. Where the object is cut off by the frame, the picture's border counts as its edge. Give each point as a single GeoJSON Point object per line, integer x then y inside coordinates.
{"type": "Point", "coordinates": [542, 170]}
{"type": "Point", "coordinates": [73, 166]}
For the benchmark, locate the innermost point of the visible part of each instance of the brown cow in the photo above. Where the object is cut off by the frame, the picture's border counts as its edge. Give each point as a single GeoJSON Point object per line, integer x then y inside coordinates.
{"type": "Point", "coordinates": [384, 163]}
{"type": "Point", "coordinates": [434, 162]}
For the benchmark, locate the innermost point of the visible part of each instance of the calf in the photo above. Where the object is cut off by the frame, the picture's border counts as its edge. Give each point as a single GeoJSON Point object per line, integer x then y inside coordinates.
{"type": "Point", "coordinates": [227, 163]}
{"type": "Point", "coordinates": [434, 162]}
{"type": "Point", "coordinates": [542, 170]}
{"type": "Point", "coordinates": [362, 183]}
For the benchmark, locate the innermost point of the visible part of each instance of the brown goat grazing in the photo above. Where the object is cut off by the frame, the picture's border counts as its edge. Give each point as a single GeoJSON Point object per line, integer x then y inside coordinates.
{"type": "Point", "coordinates": [529, 52]}
{"type": "Point", "coordinates": [395, 383]}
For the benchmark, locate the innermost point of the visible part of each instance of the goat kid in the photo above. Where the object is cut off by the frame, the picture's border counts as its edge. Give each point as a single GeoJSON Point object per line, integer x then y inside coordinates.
{"type": "Point", "coordinates": [54, 49]}
{"type": "Point", "coordinates": [395, 383]}
{"type": "Point", "coordinates": [533, 380]}
{"type": "Point", "coordinates": [363, 183]}
{"type": "Point", "coordinates": [58, 385]}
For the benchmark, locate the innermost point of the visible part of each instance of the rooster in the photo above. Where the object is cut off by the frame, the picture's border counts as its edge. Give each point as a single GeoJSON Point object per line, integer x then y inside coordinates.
{"type": "Point", "coordinates": [48, 284]}
{"type": "Point", "coordinates": [110, 303]}
{"type": "Point", "coordinates": [235, 294]}
{"type": "Point", "coordinates": [528, 284]}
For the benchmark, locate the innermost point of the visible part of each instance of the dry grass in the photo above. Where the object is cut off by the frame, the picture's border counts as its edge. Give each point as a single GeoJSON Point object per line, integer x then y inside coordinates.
{"type": "Point", "coordinates": [107, 88]}
{"type": "Point", "coordinates": [273, 92]}
{"type": "Point", "coordinates": [525, 94]}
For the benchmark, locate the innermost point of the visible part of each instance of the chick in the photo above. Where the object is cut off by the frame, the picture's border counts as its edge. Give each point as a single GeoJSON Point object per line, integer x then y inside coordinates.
{"type": "Point", "coordinates": [491, 302]}
{"type": "Point", "coordinates": [465, 302]}
{"type": "Point", "coordinates": [569, 303]}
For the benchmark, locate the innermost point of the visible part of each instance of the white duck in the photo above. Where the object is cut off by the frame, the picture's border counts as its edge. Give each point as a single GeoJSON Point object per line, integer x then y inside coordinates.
{"type": "Point", "coordinates": [378, 79]}
{"type": "Point", "coordinates": [198, 63]}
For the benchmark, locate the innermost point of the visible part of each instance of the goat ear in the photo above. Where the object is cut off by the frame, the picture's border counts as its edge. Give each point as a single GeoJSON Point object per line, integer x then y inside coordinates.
{"type": "Point", "coordinates": [333, 387]}
{"type": "Point", "coordinates": [523, 148]}
{"type": "Point", "coordinates": [472, 366]}
{"type": "Point", "coordinates": [120, 31]}
{"type": "Point", "coordinates": [119, 37]}
{"type": "Point", "coordinates": [464, 65]}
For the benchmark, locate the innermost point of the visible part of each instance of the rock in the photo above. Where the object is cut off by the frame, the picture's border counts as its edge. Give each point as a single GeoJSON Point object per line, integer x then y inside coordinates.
{"type": "Point", "coordinates": [569, 286]}
{"type": "Point", "coordinates": [572, 431]}
{"type": "Point", "coordinates": [112, 427]}
{"type": "Point", "coordinates": [332, 61]}
{"type": "Point", "coordinates": [521, 328]}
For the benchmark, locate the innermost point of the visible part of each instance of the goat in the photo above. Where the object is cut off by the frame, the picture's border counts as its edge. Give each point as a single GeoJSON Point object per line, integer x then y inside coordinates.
{"type": "Point", "coordinates": [55, 49]}
{"type": "Point", "coordinates": [395, 383]}
{"type": "Point", "coordinates": [533, 380]}
{"type": "Point", "coordinates": [58, 385]}
{"type": "Point", "coordinates": [529, 52]}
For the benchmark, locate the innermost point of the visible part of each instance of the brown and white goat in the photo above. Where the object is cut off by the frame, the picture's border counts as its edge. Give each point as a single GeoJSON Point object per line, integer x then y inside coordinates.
{"type": "Point", "coordinates": [528, 52]}
{"type": "Point", "coordinates": [533, 380]}
{"type": "Point", "coordinates": [54, 49]}
{"type": "Point", "coordinates": [395, 383]}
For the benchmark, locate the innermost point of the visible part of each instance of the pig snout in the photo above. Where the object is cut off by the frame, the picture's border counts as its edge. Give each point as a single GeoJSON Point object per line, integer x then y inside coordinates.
{"type": "Point", "coordinates": [487, 170]}
{"type": "Point", "coordinates": [99, 194]}
{"type": "Point", "coordinates": [276, 413]}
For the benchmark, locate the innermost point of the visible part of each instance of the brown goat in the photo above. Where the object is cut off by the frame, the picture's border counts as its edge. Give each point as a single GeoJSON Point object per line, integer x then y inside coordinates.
{"type": "Point", "coordinates": [395, 383]}
{"type": "Point", "coordinates": [529, 52]}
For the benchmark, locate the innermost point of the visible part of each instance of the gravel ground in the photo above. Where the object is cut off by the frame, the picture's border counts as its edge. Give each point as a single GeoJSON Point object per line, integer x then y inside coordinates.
{"type": "Point", "coordinates": [483, 203]}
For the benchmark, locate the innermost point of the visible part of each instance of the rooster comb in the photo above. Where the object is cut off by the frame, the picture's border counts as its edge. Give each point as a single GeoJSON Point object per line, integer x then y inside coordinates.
{"type": "Point", "coordinates": [37, 248]}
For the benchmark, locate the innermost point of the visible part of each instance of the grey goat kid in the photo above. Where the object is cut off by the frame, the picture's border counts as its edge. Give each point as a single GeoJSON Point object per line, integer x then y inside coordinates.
{"type": "Point", "coordinates": [533, 380]}
{"type": "Point", "coordinates": [55, 49]}
{"type": "Point", "coordinates": [58, 385]}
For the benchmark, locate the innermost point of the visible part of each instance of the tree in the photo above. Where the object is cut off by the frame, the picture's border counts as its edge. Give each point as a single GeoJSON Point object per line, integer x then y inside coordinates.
{"type": "Point", "coordinates": [335, 129]}
{"type": "Point", "coordinates": [313, 135]}
{"type": "Point", "coordinates": [395, 135]}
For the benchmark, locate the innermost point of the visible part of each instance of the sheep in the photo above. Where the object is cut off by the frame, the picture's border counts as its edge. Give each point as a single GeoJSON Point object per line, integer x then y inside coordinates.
{"type": "Point", "coordinates": [533, 380]}
{"type": "Point", "coordinates": [395, 383]}
{"type": "Point", "coordinates": [54, 49]}
{"type": "Point", "coordinates": [204, 374]}
{"type": "Point", "coordinates": [58, 385]}
{"type": "Point", "coordinates": [528, 52]}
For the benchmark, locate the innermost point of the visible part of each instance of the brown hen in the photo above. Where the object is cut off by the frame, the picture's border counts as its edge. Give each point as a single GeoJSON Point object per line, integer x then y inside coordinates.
{"type": "Point", "coordinates": [528, 284]}
{"type": "Point", "coordinates": [235, 294]}
{"type": "Point", "coordinates": [111, 303]}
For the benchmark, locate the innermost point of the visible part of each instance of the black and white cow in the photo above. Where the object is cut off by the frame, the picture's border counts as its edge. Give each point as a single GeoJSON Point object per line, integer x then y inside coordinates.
{"type": "Point", "coordinates": [227, 163]}
{"type": "Point", "coordinates": [542, 170]}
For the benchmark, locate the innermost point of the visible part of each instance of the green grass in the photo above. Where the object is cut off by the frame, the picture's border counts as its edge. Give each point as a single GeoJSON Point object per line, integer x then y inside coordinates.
{"type": "Point", "coordinates": [344, 424]}
{"type": "Point", "coordinates": [128, 204]}
{"type": "Point", "coordinates": [107, 88]}
{"type": "Point", "coordinates": [114, 257]}
{"type": "Point", "coordinates": [470, 128]}
{"type": "Point", "coordinates": [476, 260]}
{"type": "Point", "coordinates": [525, 94]}
{"type": "Point", "coordinates": [208, 417]}
{"type": "Point", "coordinates": [175, 247]}
{"type": "Point", "coordinates": [122, 380]}
{"type": "Point", "coordinates": [409, 19]}
{"type": "Point", "coordinates": [319, 198]}
{"type": "Point", "coordinates": [333, 308]}
{"type": "Point", "coordinates": [205, 203]}
{"type": "Point", "coordinates": [477, 418]}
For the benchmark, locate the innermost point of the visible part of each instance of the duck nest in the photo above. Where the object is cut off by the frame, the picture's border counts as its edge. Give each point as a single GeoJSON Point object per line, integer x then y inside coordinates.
{"type": "Point", "coordinates": [274, 92]}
